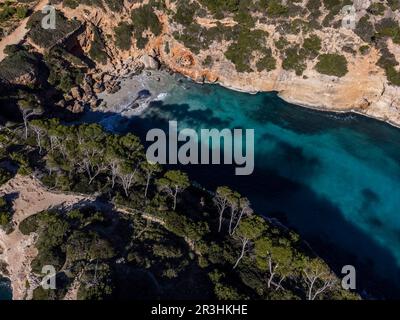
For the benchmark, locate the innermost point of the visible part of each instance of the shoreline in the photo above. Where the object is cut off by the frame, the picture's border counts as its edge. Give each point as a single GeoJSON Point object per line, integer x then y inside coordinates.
{"type": "Point", "coordinates": [148, 83]}
{"type": "Point", "coordinates": [302, 105]}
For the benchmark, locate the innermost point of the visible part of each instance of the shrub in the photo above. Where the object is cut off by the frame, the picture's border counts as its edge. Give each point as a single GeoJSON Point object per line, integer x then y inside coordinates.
{"type": "Point", "coordinates": [393, 76]}
{"type": "Point", "coordinates": [240, 51]}
{"type": "Point", "coordinates": [123, 35]}
{"type": "Point", "coordinates": [332, 64]}
{"type": "Point", "coordinates": [186, 12]}
{"type": "Point", "coordinates": [267, 63]}
{"type": "Point", "coordinates": [365, 29]}
{"type": "Point", "coordinates": [115, 5]}
{"type": "Point", "coordinates": [5, 175]}
{"type": "Point", "coordinates": [208, 61]}
{"type": "Point", "coordinates": [7, 12]}
{"type": "Point", "coordinates": [47, 38]}
{"type": "Point", "coordinates": [294, 60]}
{"type": "Point", "coordinates": [389, 28]}
{"type": "Point", "coordinates": [376, 8]}
{"type": "Point", "coordinates": [17, 64]}
{"type": "Point", "coordinates": [22, 12]}
{"type": "Point", "coordinates": [364, 49]}
{"type": "Point", "coordinates": [63, 75]}
{"type": "Point", "coordinates": [388, 62]}
{"type": "Point", "coordinates": [312, 45]}
{"type": "Point", "coordinates": [29, 225]}
{"type": "Point", "coordinates": [275, 8]}
{"type": "Point", "coordinates": [394, 4]}
{"type": "Point", "coordinates": [97, 48]}
{"type": "Point", "coordinates": [144, 18]}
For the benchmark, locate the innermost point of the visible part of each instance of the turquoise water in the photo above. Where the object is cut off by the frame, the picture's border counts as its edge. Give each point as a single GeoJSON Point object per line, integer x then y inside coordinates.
{"type": "Point", "coordinates": [333, 178]}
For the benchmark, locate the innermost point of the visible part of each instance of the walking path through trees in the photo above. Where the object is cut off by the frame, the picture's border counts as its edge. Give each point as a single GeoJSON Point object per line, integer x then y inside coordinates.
{"type": "Point", "coordinates": [20, 32]}
{"type": "Point", "coordinates": [30, 197]}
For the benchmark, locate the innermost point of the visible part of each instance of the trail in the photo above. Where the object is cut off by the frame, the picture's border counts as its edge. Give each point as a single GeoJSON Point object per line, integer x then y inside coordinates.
{"type": "Point", "coordinates": [30, 197]}
{"type": "Point", "coordinates": [20, 32]}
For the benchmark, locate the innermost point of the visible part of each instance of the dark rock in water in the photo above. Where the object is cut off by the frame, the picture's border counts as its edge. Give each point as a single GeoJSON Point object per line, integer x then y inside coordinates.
{"type": "Point", "coordinates": [134, 105]}
{"type": "Point", "coordinates": [5, 289]}
{"type": "Point", "coordinates": [143, 94]}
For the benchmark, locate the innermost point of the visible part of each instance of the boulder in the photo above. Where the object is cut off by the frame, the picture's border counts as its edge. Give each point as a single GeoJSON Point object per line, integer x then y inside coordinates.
{"type": "Point", "coordinates": [76, 93]}
{"type": "Point", "coordinates": [94, 103]}
{"type": "Point", "coordinates": [98, 87]}
{"type": "Point", "coordinates": [77, 107]}
{"type": "Point", "coordinates": [150, 62]}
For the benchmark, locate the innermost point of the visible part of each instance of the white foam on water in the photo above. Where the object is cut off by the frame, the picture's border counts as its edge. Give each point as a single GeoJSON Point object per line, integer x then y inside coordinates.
{"type": "Point", "coordinates": [161, 96]}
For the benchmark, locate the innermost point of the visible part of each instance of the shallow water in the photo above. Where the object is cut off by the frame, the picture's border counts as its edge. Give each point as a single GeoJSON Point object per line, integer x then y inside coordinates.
{"type": "Point", "coordinates": [333, 178]}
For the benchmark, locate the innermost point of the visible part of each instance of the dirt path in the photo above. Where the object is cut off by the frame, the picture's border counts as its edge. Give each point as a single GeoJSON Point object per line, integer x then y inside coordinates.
{"type": "Point", "coordinates": [20, 32]}
{"type": "Point", "coordinates": [30, 198]}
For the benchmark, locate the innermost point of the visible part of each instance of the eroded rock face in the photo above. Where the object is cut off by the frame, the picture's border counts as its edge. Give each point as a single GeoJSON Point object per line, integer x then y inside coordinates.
{"type": "Point", "coordinates": [364, 88]}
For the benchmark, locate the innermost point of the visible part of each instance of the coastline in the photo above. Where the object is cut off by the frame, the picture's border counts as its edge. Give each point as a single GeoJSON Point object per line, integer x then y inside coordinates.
{"type": "Point", "coordinates": [293, 102]}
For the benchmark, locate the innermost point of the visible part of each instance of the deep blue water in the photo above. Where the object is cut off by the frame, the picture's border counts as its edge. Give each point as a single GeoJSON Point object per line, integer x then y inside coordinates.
{"type": "Point", "coordinates": [333, 178]}
{"type": "Point", "coordinates": [5, 289]}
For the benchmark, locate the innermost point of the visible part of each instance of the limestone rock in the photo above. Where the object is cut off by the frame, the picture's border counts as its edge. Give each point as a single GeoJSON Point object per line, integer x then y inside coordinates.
{"type": "Point", "coordinates": [98, 87]}
{"type": "Point", "coordinates": [76, 93]}
{"type": "Point", "coordinates": [150, 62]}
{"type": "Point", "coordinates": [77, 107]}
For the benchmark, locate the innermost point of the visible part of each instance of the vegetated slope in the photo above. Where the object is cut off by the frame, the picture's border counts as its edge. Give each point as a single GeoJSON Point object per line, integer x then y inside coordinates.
{"type": "Point", "coordinates": [165, 238]}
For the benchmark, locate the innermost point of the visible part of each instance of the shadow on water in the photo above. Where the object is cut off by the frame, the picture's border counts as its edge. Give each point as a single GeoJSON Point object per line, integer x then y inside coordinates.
{"type": "Point", "coordinates": [272, 192]}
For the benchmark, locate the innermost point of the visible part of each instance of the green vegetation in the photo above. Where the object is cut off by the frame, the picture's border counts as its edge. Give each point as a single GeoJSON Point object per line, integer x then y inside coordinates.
{"type": "Point", "coordinates": [144, 18]}
{"type": "Point", "coordinates": [97, 48]}
{"type": "Point", "coordinates": [388, 62]}
{"type": "Point", "coordinates": [63, 75]}
{"type": "Point", "coordinates": [365, 29]}
{"type": "Point", "coordinates": [294, 60]}
{"type": "Point", "coordinates": [172, 236]}
{"type": "Point", "coordinates": [12, 11]}
{"type": "Point", "coordinates": [376, 8]}
{"type": "Point", "coordinates": [219, 7]}
{"type": "Point", "coordinates": [5, 175]}
{"type": "Point", "coordinates": [312, 45]}
{"type": "Point", "coordinates": [275, 8]}
{"type": "Point", "coordinates": [208, 61]}
{"type": "Point", "coordinates": [47, 38]}
{"type": "Point", "coordinates": [394, 4]}
{"type": "Point", "coordinates": [240, 52]}
{"type": "Point", "coordinates": [388, 28]}
{"type": "Point", "coordinates": [185, 12]}
{"type": "Point", "coordinates": [267, 63]}
{"type": "Point", "coordinates": [123, 35]}
{"type": "Point", "coordinates": [18, 62]}
{"type": "Point", "coordinates": [332, 64]}
{"type": "Point", "coordinates": [6, 215]}
{"type": "Point", "coordinates": [364, 49]}
{"type": "Point", "coordinates": [115, 5]}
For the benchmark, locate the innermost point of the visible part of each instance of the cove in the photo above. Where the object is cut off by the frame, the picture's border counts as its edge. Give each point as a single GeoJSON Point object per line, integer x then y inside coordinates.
{"type": "Point", "coordinates": [334, 178]}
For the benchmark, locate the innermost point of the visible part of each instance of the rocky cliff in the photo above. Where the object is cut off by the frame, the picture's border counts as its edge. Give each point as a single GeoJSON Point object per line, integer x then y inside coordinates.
{"type": "Point", "coordinates": [272, 51]}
